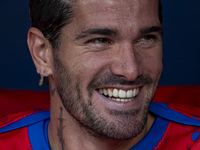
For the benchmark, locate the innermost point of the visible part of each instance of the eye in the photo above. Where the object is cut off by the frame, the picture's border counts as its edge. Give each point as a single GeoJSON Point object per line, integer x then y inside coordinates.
{"type": "Point", "coordinates": [147, 41]}
{"type": "Point", "coordinates": [99, 44]}
{"type": "Point", "coordinates": [149, 37]}
{"type": "Point", "coordinates": [99, 41]}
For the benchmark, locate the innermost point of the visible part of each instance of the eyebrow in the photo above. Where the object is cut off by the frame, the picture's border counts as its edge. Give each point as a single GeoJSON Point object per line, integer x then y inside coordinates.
{"type": "Point", "coordinates": [148, 30]}
{"type": "Point", "coordinates": [97, 31]}
{"type": "Point", "coordinates": [113, 32]}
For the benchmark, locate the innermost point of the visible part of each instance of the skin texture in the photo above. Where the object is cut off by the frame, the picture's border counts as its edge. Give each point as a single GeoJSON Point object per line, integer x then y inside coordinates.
{"type": "Point", "coordinates": [109, 44]}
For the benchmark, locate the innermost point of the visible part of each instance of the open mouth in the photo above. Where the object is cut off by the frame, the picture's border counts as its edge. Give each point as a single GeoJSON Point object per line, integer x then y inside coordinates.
{"type": "Point", "coordinates": [119, 94]}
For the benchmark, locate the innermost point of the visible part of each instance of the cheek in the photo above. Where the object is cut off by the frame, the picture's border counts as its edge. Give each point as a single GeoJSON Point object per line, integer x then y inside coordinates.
{"type": "Point", "coordinates": [93, 63]}
{"type": "Point", "coordinates": [85, 69]}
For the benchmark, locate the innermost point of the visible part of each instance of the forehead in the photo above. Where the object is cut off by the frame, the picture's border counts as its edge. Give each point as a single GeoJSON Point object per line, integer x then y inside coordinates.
{"type": "Point", "coordinates": [125, 16]}
{"type": "Point", "coordinates": [119, 5]}
{"type": "Point", "coordinates": [110, 11]}
{"type": "Point", "coordinates": [122, 6]}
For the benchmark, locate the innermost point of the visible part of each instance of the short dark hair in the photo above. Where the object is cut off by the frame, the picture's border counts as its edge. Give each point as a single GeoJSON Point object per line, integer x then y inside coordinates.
{"type": "Point", "coordinates": [49, 16]}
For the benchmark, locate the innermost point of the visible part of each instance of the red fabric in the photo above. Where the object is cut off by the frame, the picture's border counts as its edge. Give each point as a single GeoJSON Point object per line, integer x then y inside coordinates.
{"type": "Point", "coordinates": [180, 137]}
{"type": "Point", "coordinates": [15, 101]}
{"type": "Point", "coordinates": [178, 94]}
{"type": "Point", "coordinates": [184, 99]}
{"type": "Point", "coordinates": [4, 121]}
{"type": "Point", "coordinates": [15, 140]}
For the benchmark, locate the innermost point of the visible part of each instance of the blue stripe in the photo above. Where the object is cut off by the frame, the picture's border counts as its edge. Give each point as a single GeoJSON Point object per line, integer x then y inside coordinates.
{"type": "Point", "coordinates": [153, 136]}
{"type": "Point", "coordinates": [38, 135]}
{"type": "Point", "coordinates": [164, 111]}
{"type": "Point", "coordinates": [28, 120]}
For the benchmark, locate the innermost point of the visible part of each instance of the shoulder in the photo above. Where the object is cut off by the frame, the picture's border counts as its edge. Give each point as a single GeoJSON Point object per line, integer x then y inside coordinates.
{"type": "Point", "coordinates": [15, 129]}
{"type": "Point", "coordinates": [23, 119]}
{"type": "Point", "coordinates": [181, 127]}
{"type": "Point", "coordinates": [179, 108]}
{"type": "Point", "coordinates": [186, 115]}
{"type": "Point", "coordinates": [178, 103]}
{"type": "Point", "coordinates": [23, 116]}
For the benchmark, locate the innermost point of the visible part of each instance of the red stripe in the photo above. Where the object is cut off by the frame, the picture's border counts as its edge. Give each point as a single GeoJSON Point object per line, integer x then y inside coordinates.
{"type": "Point", "coordinates": [15, 140]}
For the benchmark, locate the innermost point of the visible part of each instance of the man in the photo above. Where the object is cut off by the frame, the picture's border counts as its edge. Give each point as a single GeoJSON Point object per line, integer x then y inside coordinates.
{"type": "Point", "coordinates": [103, 60]}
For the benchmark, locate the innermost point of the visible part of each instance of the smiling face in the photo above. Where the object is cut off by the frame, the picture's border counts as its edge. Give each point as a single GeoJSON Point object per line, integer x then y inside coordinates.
{"type": "Point", "coordinates": [108, 65]}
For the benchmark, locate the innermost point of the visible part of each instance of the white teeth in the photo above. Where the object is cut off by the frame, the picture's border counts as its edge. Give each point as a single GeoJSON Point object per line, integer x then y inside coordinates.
{"type": "Point", "coordinates": [122, 100]}
{"type": "Point", "coordinates": [117, 99]}
{"type": "Point", "coordinates": [105, 92]}
{"type": "Point", "coordinates": [120, 95]}
{"type": "Point", "coordinates": [129, 93]}
{"type": "Point", "coordinates": [134, 92]}
{"type": "Point", "coordinates": [115, 93]}
{"type": "Point", "coordinates": [110, 93]}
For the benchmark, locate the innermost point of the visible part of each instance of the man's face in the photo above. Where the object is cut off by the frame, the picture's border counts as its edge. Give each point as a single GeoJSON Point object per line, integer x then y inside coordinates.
{"type": "Point", "coordinates": [108, 65]}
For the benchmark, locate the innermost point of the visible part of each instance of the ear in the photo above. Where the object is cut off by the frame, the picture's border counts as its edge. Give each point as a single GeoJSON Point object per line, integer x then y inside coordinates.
{"type": "Point", "coordinates": [41, 52]}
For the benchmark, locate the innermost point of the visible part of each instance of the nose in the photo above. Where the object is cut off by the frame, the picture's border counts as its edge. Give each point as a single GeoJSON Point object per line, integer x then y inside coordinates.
{"type": "Point", "coordinates": [126, 63]}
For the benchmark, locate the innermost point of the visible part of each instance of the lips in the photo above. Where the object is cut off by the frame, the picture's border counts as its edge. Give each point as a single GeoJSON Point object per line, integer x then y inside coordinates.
{"type": "Point", "coordinates": [119, 95]}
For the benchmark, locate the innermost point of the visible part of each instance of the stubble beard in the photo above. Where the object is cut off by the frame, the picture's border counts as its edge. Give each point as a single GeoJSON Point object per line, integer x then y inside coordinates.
{"type": "Point", "coordinates": [124, 125]}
